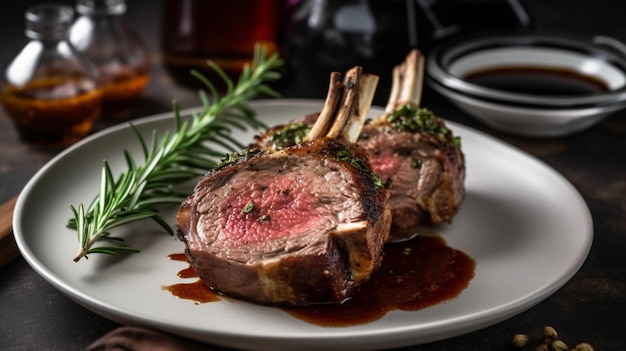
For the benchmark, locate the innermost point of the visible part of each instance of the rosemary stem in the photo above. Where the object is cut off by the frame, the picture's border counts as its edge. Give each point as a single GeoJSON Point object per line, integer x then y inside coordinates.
{"type": "Point", "coordinates": [85, 249]}
{"type": "Point", "coordinates": [180, 155]}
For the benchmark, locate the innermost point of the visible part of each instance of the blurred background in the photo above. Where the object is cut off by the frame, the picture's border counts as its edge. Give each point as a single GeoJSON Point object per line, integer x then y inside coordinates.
{"type": "Point", "coordinates": [316, 36]}
{"type": "Point", "coordinates": [313, 36]}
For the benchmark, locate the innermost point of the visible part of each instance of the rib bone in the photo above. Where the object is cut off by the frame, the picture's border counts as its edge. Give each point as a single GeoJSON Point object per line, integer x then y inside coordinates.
{"type": "Point", "coordinates": [327, 115]}
{"type": "Point", "coordinates": [346, 106]}
{"type": "Point", "coordinates": [407, 81]}
{"type": "Point", "coordinates": [352, 127]}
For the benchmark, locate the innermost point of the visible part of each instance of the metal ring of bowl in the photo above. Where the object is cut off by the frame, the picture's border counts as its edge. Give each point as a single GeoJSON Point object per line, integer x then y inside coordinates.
{"type": "Point", "coordinates": [443, 56]}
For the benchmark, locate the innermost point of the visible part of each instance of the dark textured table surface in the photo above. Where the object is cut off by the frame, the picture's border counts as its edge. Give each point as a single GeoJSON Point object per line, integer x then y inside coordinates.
{"type": "Point", "coordinates": [591, 307]}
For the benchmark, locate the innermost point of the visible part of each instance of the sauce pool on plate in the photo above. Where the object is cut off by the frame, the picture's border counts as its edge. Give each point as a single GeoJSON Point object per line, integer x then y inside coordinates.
{"type": "Point", "coordinates": [415, 274]}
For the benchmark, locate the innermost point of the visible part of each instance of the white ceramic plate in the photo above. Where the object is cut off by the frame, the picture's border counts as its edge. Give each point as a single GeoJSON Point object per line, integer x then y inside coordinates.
{"type": "Point", "coordinates": [526, 226]}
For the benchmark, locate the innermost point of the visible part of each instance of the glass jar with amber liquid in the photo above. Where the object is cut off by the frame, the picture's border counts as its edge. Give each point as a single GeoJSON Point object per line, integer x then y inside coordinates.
{"type": "Point", "coordinates": [101, 34]}
{"type": "Point", "coordinates": [49, 90]}
{"type": "Point", "coordinates": [225, 32]}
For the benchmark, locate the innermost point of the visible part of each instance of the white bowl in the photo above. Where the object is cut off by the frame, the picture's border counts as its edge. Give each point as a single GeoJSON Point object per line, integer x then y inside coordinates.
{"type": "Point", "coordinates": [522, 113]}
{"type": "Point", "coordinates": [527, 121]}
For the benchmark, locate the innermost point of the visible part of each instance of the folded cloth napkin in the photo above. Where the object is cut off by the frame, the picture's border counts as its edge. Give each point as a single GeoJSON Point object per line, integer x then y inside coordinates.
{"type": "Point", "coordinates": [142, 339]}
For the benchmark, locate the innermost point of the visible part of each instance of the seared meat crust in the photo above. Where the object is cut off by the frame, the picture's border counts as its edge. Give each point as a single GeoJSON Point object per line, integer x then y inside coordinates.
{"type": "Point", "coordinates": [296, 227]}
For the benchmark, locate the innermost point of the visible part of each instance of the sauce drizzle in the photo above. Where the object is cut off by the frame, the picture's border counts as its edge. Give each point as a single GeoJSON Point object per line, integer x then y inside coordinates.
{"type": "Point", "coordinates": [415, 274]}
{"type": "Point", "coordinates": [196, 291]}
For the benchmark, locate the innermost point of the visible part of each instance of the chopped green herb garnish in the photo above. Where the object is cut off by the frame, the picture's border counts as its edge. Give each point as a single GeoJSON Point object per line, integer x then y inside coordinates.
{"type": "Point", "coordinates": [456, 141]}
{"type": "Point", "coordinates": [229, 159]}
{"type": "Point", "coordinates": [290, 135]}
{"type": "Point", "coordinates": [264, 218]}
{"type": "Point", "coordinates": [358, 163]}
{"type": "Point", "coordinates": [420, 120]}
{"type": "Point", "coordinates": [248, 207]}
{"type": "Point", "coordinates": [234, 157]}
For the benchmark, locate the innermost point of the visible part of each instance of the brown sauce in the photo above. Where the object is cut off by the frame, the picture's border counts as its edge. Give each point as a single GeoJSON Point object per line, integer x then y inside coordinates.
{"type": "Point", "coordinates": [196, 291]}
{"type": "Point", "coordinates": [538, 81]}
{"type": "Point", "coordinates": [414, 275]}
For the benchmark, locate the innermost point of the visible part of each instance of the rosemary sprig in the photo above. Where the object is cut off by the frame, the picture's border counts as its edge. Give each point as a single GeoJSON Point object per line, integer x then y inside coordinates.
{"type": "Point", "coordinates": [182, 154]}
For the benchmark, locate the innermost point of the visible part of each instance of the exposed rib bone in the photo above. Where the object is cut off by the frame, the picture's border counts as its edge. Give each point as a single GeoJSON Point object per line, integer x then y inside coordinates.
{"type": "Point", "coordinates": [327, 116]}
{"type": "Point", "coordinates": [351, 84]}
{"type": "Point", "coordinates": [354, 124]}
{"type": "Point", "coordinates": [407, 81]}
{"type": "Point", "coordinates": [411, 91]}
{"type": "Point", "coordinates": [346, 106]}
{"type": "Point", "coordinates": [396, 79]}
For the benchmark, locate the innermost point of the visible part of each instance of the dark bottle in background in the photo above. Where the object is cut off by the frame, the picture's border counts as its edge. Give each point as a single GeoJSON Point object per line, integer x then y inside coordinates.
{"type": "Point", "coordinates": [321, 36]}
{"type": "Point", "coordinates": [443, 19]}
{"type": "Point", "coordinates": [194, 31]}
{"type": "Point", "coordinates": [317, 37]}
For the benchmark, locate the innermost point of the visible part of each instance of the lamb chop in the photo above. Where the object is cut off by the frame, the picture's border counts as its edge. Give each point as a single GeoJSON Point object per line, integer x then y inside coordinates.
{"type": "Point", "coordinates": [302, 225]}
{"type": "Point", "coordinates": [416, 156]}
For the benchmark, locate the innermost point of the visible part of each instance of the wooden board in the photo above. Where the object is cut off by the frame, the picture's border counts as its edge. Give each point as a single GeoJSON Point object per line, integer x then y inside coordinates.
{"type": "Point", "coordinates": [8, 248]}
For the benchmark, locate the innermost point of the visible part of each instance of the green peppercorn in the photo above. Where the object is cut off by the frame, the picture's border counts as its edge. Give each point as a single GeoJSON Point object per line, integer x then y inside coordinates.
{"type": "Point", "coordinates": [519, 340]}
{"type": "Point", "coordinates": [549, 334]}
{"type": "Point", "coordinates": [558, 345]}
{"type": "Point", "coordinates": [583, 347]}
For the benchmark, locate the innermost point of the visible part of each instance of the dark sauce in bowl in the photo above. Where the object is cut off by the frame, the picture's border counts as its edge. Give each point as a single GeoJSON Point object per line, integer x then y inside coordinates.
{"type": "Point", "coordinates": [531, 80]}
{"type": "Point", "coordinates": [415, 274]}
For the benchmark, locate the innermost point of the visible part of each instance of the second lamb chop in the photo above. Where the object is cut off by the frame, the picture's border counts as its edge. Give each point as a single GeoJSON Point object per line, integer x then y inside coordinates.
{"type": "Point", "coordinates": [418, 159]}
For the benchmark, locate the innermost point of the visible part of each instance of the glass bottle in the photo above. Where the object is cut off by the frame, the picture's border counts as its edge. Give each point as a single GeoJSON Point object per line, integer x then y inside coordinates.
{"type": "Point", "coordinates": [101, 33]}
{"type": "Point", "coordinates": [49, 90]}
{"type": "Point", "coordinates": [195, 31]}
{"type": "Point", "coordinates": [322, 36]}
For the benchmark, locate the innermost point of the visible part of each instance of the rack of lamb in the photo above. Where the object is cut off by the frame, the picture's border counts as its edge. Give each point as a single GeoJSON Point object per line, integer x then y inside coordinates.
{"type": "Point", "coordinates": [419, 160]}
{"type": "Point", "coordinates": [301, 225]}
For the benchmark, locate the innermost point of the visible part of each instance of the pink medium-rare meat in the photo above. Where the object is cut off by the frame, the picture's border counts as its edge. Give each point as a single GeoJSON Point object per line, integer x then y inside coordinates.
{"type": "Point", "coordinates": [302, 225]}
{"type": "Point", "coordinates": [424, 173]}
{"type": "Point", "coordinates": [290, 227]}
{"type": "Point", "coordinates": [417, 157]}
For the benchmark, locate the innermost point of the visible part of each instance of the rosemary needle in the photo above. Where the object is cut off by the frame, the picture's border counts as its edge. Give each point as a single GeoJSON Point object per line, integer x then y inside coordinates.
{"type": "Point", "coordinates": [179, 155]}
